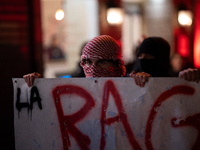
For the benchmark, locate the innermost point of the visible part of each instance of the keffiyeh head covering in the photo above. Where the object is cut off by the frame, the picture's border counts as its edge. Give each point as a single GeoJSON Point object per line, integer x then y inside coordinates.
{"type": "Point", "coordinates": [103, 47]}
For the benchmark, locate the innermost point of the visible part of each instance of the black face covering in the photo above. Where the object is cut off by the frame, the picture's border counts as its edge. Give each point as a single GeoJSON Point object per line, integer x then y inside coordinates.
{"type": "Point", "coordinates": [160, 49]}
{"type": "Point", "coordinates": [149, 66]}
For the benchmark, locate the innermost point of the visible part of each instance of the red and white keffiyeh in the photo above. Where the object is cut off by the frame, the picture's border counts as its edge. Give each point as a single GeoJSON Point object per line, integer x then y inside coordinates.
{"type": "Point", "coordinates": [102, 47]}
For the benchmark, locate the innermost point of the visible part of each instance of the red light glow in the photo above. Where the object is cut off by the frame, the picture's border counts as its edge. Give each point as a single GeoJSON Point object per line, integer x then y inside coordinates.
{"type": "Point", "coordinates": [197, 36]}
{"type": "Point", "coordinates": [183, 45]}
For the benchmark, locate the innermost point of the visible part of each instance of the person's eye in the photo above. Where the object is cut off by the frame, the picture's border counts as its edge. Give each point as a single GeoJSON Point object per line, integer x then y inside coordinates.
{"type": "Point", "coordinates": [150, 56]}
{"type": "Point", "coordinates": [87, 62]}
{"type": "Point", "coordinates": [102, 62]}
{"type": "Point", "coordinates": [139, 56]}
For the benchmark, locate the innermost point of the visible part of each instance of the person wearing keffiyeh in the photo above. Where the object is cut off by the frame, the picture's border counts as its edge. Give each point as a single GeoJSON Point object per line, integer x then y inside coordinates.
{"type": "Point", "coordinates": [101, 57]}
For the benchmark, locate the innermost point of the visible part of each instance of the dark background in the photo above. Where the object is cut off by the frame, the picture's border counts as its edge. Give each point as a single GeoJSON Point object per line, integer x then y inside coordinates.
{"type": "Point", "coordinates": [20, 47]}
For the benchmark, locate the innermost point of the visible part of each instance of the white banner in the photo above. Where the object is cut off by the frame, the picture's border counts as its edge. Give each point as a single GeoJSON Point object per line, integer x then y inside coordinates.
{"type": "Point", "coordinates": [107, 114]}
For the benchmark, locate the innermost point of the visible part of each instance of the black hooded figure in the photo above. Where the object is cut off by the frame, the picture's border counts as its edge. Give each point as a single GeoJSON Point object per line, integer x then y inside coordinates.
{"type": "Point", "coordinates": [160, 49]}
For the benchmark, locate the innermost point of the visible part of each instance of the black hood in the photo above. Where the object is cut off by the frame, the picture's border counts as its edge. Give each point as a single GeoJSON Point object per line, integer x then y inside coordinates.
{"type": "Point", "coordinates": [160, 49]}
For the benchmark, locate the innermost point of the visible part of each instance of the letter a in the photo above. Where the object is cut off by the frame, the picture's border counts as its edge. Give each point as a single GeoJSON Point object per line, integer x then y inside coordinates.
{"type": "Point", "coordinates": [33, 99]}
{"type": "Point", "coordinates": [110, 88]}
